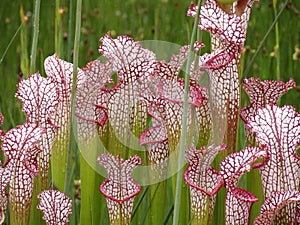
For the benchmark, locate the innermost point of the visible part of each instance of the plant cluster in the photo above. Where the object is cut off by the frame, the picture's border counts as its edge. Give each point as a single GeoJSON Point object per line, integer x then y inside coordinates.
{"type": "Point", "coordinates": [132, 100]}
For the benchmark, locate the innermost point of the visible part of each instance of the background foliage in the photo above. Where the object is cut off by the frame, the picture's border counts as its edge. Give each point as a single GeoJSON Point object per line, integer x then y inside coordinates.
{"type": "Point", "coordinates": [144, 20]}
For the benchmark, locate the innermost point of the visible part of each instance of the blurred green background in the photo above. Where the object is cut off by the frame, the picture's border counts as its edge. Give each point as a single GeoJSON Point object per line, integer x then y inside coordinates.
{"type": "Point", "coordinates": [164, 20]}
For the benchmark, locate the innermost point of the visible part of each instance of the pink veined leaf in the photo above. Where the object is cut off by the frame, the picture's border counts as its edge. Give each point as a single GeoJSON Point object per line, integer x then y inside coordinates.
{"type": "Point", "coordinates": [165, 81]}
{"type": "Point", "coordinates": [163, 92]}
{"type": "Point", "coordinates": [239, 201]}
{"type": "Point", "coordinates": [203, 111]}
{"type": "Point", "coordinates": [119, 188]}
{"type": "Point", "coordinates": [278, 129]}
{"type": "Point", "coordinates": [129, 59]}
{"type": "Point", "coordinates": [228, 33]}
{"type": "Point", "coordinates": [238, 206]}
{"type": "Point", "coordinates": [204, 119]}
{"type": "Point", "coordinates": [225, 28]}
{"type": "Point", "coordinates": [203, 199]}
{"type": "Point", "coordinates": [203, 157]}
{"type": "Point", "coordinates": [215, 60]}
{"type": "Point", "coordinates": [155, 140]}
{"type": "Point", "coordinates": [158, 159]}
{"type": "Point", "coordinates": [229, 30]}
{"type": "Point", "coordinates": [20, 149]}
{"type": "Point", "coordinates": [198, 45]}
{"type": "Point", "coordinates": [174, 92]}
{"type": "Point", "coordinates": [178, 60]}
{"type": "Point", "coordinates": [39, 97]}
{"type": "Point", "coordinates": [243, 8]}
{"type": "Point", "coordinates": [21, 142]}
{"type": "Point", "coordinates": [298, 216]}
{"type": "Point", "coordinates": [275, 208]}
{"type": "Point", "coordinates": [61, 72]}
{"type": "Point", "coordinates": [224, 102]}
{"type": "Point", "coordinates": [56, 207]}
{"type": "Point", "coordinates": [239, 8]}
{"type": "Point", "coordinates": [238, 163]}
{"type": "Point", "coordinates": [96, 75]}
{"type": "Point", "coordinates": [4, 180]}
{"type": "Point", "coordinates": [262, 93]}
{"type": "Point", "coordinates": [158, 132]}
{"type": "Point", "coordinates": [204, 181]}
{"type": "Point", "coordinates": [119, 105]}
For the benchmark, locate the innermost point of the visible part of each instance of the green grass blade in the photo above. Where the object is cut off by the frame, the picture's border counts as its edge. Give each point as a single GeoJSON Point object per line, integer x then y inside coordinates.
{"type": "Point", "coordinates": [24, 58]}
{"type": "Point", "coordinates": [277, 42]}
{"type": "Point", "coordinates": [36, 214]}
{"type": "Point", "coordinates": [36, 26]}
{"type": "Point", "coordinates": [93, 205]}
{"type": "Point", "coordinates": [264, 39]}
{"type": "Point", "coordinates": [184, 124]}
{"type": "Point", "coordinates": [58, 29]}
{"type": "Point", "coordinates": [158, 196]}
{"type": "Point", "coordinates": [72, 148]}
{"type": "Point", "coordinates": [10, 42]}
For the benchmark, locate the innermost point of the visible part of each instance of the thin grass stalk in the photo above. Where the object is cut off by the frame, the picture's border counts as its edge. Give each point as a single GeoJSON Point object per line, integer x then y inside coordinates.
{"type": "Point", "coordinates": [219, 210]}
{"type": "Point", "coordinates": [58, 30]}
{"type": "Point", "coordinates": [277, 44]}
{"type": "Point", "coordinates": [70, 34]}
{"type": "Point", "coordinates": [36, 27]}
{"type": "Point", "coordinates": [157, 195]}
{"type": "Point", "coordinates": [141, 208]}
{"type": "Point", "coordinates": [184, 213]}
{"type": "Point", "coordinates": [10, 42]}
{"type": "Point", "coordinates": [24, 67]}
{"type": "Point", "coordinates": [92, 208]}
{"type": "Point", "coordinates": [184, 122]}
{"type": "Point", "coordinates": [92, 205]}
{"type": "Point", "coordinates": [72, 125]}
{"type": "Point", "coordinates": [260, 46]}
{"type": "Point", "coordinates": [254, 186]}
{"type": "Point", "coordinates": [35, 214]}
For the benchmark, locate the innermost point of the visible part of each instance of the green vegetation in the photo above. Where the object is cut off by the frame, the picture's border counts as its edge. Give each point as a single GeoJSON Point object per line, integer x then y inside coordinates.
{"type": "Point", "coordinates": [166, 20]}
{"type": "Point", "coordinates": [143, 20]}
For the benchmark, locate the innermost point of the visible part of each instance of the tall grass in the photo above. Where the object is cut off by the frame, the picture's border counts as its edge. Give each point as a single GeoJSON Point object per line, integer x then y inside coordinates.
{"type": "Point", "coordinates": [183, 136]}
{"type": "Point", "coordinates": [143, 20]}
